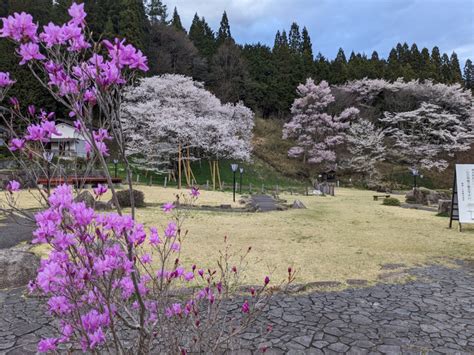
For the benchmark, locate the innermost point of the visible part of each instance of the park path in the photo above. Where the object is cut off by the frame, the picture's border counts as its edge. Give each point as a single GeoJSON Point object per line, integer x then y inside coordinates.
{"type": "Point", "coordinates": [263, 203]}
{"type": "Point", "coordinates": [433, 314]}
{"type": "Point", "coordinates": [14, 231]}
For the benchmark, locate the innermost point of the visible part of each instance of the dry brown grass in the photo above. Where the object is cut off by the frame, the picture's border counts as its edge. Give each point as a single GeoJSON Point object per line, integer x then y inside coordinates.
{"type": "Point", "coordinates": [336, 238]}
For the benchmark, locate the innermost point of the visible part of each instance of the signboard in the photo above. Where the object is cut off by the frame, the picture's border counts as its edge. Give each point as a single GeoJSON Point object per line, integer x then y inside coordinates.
{"type": "Point", "coordinates": [465, 192]}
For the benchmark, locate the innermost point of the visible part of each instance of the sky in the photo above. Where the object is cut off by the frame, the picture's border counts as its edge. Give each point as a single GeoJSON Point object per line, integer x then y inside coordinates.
{"type": "Point", "coordinates": [359, 25]}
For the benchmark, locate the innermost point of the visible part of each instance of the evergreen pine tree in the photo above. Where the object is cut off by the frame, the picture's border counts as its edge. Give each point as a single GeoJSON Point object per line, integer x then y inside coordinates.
{"type": "Point", "coordinates": [259, 94]}
{"type": "Point", "coordinates": [307, 53]}
{"type": "Point", "coordinates": [416, 61]}
{"type": "Point", "coordinates": [376, 66]}
{"type": "Point", "coordinates": [436, 64]}
{"type": "Point", "coordinates": [339, 68]}
{"type": "Point", "coordinates": [446, 73]}
{"type": "Point", "coordinates": [426, 66]}
{"type": "Point", "coordinates": [157, 11]}
{"type": "Point", "coordinates": [224, 34]}
{"type": "Point", "coordinates": [456, 75]}
{"type": "Point", "coordinates": [469, 75]}
{"type": "Point", "coordinates": [277, 41]}
{"type": "Point", "coordinates": [393, 71]}
{"type": "Point", "coordinates": [294, 38]}
{"type": "Point", "coordinates": [176, 21]}
{"type": "Point", "coordinates": [202, 36]}
{"type": "Point", "coordinates": [133, 23]}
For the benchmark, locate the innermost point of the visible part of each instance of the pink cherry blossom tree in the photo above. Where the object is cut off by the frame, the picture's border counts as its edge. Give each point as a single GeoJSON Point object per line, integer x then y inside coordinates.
{"type": "Point", "coordinates": [421, 138]}
{"type": "Point", "coordinates": [165, 114]}
{"type": "Point", "coordinates": [109, 281]}
{"type": "Point", "coordinates": [365, 149]}
{"type": "Point", "coordinates": [316, 133]}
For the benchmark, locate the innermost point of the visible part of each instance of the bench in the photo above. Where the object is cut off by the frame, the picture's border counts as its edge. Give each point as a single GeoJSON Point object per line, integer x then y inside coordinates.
{"type": "Point", "coordinates": [376, 197]}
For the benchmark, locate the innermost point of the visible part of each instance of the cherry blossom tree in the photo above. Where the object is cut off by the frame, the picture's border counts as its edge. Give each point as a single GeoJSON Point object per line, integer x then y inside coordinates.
{"type": "Point", "coordinates": [166, 114]}
{"type": "Point", "coordinates": [426, 122]}
{"type": "Point", "coordinates": [316, 132]}
{"type": "Point", "coordinates": [422, 137]}
{"type": "Point", "coordinates": [109, 281]}
{"type": "Point", "coordinates": [366, 148]}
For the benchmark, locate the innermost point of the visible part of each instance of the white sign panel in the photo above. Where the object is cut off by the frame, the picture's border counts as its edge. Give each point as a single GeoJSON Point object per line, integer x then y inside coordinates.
{"type": "Point", "coordinates": [465, 187]}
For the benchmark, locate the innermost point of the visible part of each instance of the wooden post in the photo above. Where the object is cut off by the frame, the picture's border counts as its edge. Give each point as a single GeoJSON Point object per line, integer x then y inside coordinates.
{"type": "Point", "coordinates": [188, 163]}
{"type": "Point", "coordinates": [165, 182]}
{"type": "Point", "coordinates": [179, 166]}
{"type": "Point", "coordinates": [263, 188]}
{"type": "Point", "coordinates": [207, 184]}
{"type": "Point", "coordinates": [250, 188]}
{"type": "Point", "coordinates": [138, 178]}
{"type": "Point", "coordinates": [151, 180]}
{"type": "Point", "coordinates": [218, 175]}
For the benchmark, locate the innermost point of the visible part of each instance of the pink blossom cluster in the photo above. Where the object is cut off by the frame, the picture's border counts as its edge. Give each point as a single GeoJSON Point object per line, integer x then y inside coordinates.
{"type": "Point", "coordinates": [91, 274]}
{"type": "Point", "coordinates": [36, 132]}
{"type": "Point", "coordinates": [5, 80]}
{"type": "Point", "coordinates": [85, 76]}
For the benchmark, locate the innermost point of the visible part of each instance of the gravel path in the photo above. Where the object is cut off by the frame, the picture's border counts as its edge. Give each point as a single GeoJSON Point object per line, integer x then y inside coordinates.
{"type": "Point", "coordinates": [434, 314]}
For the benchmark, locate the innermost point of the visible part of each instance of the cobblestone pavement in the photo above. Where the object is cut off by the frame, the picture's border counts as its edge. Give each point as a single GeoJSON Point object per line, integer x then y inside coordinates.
{"type": "Point", "coordinates": [434, 314]}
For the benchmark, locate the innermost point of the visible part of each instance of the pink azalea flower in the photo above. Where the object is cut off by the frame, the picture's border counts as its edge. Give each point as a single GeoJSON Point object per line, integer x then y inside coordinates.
{"type": "Point", "coordinates": [168, 207]}
{"type": "Point", "coordinates": [154, 238]}
{"type": "Point", "coordinates": [96, 338]}
{"type": "Point", "coordinates": [52, 35]}
{"type": "Point", "coordinates": [18, 27]}
{"type": "Point", "coordinates": [146, 258]}
{"type": "Point", "coordinates": [47, 345]}
{"type": "Point", "coordinates": [13, 186]}
{"type": "Point", "coordinates": [195, 192]}
{"type": "Point", "coordinates": [77, 13]}
{"type": "Point", "coordinates": [59, 305]}
{"type": "Point", "coordinates": [90, 96]}
{"type": "Point", "coordinates": [16, 144]}
{"type": "Point", "coordinates": [5, 80]}
{"type": "Point", "coordinates": [32, 110]}
{"type": "Point", "coordinates": [100, 190]}
{"type": "Point", "coordinates": [175, 247]}
{"type": "Point", "coordinates": [189, 276]}
{"type": "Point", "coordinates": [78, 125]}
{"type": "Point", "coordinates": [245, 307]}
{"type": "Point", "coordinates": [30, 51]}
{"type": "Point", "coordinates": [171, 230]}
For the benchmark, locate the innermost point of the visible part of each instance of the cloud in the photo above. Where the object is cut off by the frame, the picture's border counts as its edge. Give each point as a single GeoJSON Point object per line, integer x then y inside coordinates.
{"type": "Point", "coordinates": [359, 25]}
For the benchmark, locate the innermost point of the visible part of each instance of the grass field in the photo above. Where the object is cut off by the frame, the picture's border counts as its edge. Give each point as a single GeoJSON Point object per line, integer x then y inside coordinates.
{"type": "Point", "coordinates": [348, 236]}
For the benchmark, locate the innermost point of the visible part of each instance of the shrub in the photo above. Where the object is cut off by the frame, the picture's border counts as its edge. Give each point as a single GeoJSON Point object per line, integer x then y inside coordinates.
{"type": "Point", "coordinates": [124, 198]}
{"type": "Point", "coordinates": [391, 201]}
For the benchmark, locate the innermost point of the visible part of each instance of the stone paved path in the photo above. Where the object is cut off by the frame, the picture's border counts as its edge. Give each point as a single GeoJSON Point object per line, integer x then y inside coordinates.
{"type": "Point", "coordinates": [13, 232]}
{"type": "Point", "coordinates": [263, 203]}
{"type": "Point", "coordinates": [434, 314]}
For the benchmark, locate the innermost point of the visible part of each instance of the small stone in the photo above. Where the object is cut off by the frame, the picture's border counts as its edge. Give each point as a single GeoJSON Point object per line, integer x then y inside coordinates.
{"type": "Point", "coordinates": [389, 349]}
{"type": "Point", "coordinates": [291, 318]}
{"type": "Point", "coordinates": [320, 344]}
{"type": "Point", "coordinates": [428, 328]}
{"type": "Point", "coordinates": [339, 347]}
{"type": "Point", "coordinates": [304, 340]}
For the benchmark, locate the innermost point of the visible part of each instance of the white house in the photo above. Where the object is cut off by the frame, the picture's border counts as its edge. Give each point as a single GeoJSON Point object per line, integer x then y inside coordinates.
{"type": "Point", "coordinates": [69, 143]}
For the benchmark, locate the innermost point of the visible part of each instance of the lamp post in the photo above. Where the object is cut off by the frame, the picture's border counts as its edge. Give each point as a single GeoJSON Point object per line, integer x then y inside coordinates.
{"type": "Point", "coordinates": [234, 168]}
{"type": "Point", "coordinates": [115, 166]}
{"type": "Point", "coordinates": [240, 186]}
{"type": "Point", "coordinates": [415, 173]}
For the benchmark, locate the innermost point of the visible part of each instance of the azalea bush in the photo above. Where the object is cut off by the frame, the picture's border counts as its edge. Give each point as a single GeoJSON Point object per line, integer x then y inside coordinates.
{"type": "Point", "coordinates": [111, 284]}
